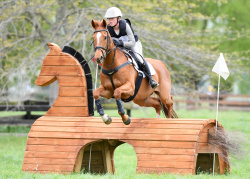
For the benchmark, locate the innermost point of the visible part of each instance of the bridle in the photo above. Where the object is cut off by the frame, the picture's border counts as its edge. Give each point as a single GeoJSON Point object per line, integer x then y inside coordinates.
{"type": "Point", "coordinates": [105, 50]}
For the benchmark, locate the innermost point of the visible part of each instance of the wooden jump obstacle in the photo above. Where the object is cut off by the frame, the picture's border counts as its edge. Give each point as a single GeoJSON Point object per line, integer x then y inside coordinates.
{"type": "Point", "coordinates": [63, 140]}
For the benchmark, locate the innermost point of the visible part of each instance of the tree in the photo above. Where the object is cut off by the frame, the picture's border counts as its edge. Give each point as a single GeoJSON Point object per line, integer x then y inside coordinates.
{"type": "Point", "coordinates": [228, 30]}
{"type": "Point", "coordinates": [175, 32]}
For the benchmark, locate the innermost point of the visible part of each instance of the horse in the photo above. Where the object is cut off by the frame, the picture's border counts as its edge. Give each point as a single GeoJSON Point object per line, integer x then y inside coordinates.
{"type": "Point", "coordinates": [118, 78]}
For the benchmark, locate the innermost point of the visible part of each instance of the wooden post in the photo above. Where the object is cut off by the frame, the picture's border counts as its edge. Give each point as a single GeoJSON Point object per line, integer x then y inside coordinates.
{"type": "Point", "coordinates": [79, 158]}
{"type": "Point", "coordinates": [107, 160]}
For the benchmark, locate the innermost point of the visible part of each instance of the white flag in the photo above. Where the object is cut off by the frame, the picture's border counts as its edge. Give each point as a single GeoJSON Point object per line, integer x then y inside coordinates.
{"type": "Point", "coordinates": [220, 67]}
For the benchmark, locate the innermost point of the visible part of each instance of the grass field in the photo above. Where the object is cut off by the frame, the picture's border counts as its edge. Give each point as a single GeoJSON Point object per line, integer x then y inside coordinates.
{"type": "Point", "coordinates": [12, 147]}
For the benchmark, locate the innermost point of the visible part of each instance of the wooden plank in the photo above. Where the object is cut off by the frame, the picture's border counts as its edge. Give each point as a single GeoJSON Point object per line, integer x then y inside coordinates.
{"type": "Point", "coordinates": [108, 136]}
{"type": "Point", "coordinates": [45, 80]}
{"type": "Point", "coordinates": [42, 154]}
{"type": "Point", "coordinates": [78, 162]}
{"type": "Point", "coordinates": [71, 91]}
{"type": "Point", "coordinates": [164, 151]}
{"type": "Point", "coordinates": [134, 120]}
{"type": "Point", "coordinates": [163, 170]}
{"type": "Point", "coordinates": [57, 141]}
{"type": "Point", "coordinates": [204, 148]}
{"type": "Point", "coordinates": [195, 164]}
{"type": "Point", "coordinates": [54, 49]}
{"type": "Point", "coordinates": [224, 166]}
{"type": "Point", "coordinates": [65, 54]}
{"type": "Point", "coordinates": [165, 164]}
{"type": "Point", "coordinates": [95, 155]}
{"type": "Point", "coordinates": [72, 81]}
{"type": "Point", "coordinates": [103, 125]}
{"type": "Point", "coordinates": [46, 172]}
{"type": "Point", "coordinates": [114, 130]}
{"type": "Point", "coordinates": [184, 120]}
{"type": "Point", "coordinates": [70, 119]}
{"type": "Point", "coordinates": [93, 163]}
{"type": "Point", "coordinates": [60, 60]}
{"type": "Point", "coordinates": [163, 144]}
{"type": "Point", "coordinates": [67, 111]}
{"type": "Point", "coordinates": [97, 146]}
{"type": "Point", "coordinates": [62, 71]}
{"type": "Point", "coordinates": [107, 159]}
{"type": "Point", "coordinates": [71, 101]}
{"type": "Point", "coordinates": [203, 137]}
{"type": "Point", "coordinates": [208, 126]}
{"type": "Point", "coordinates": [49, 161]}
{"type": "Point", "coordinates": [54, 168]}
{"type": "Point", "coordinates": [53, 123]}
{"type": "Point", "coordinates": [170, 158]}
{"type": "Point", "coordinates": [49, 148]}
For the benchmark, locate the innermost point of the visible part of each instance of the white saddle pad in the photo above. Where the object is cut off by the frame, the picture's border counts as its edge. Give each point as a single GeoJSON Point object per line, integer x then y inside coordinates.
{"type": "Point", "coordinates": [151, 68]}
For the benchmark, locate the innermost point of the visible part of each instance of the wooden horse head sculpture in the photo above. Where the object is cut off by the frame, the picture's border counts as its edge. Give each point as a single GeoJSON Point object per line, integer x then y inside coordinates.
{"type": "Point", "coordinates": [73, 98]}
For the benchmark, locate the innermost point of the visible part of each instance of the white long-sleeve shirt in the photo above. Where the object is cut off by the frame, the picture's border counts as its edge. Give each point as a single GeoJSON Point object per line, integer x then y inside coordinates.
{"type": "Point", "coordinates": [129, 39]}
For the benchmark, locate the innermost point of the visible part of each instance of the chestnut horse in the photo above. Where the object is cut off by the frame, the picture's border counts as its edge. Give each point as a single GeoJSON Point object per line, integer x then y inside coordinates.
{"type": "Point", "coordinates": [120, 83]}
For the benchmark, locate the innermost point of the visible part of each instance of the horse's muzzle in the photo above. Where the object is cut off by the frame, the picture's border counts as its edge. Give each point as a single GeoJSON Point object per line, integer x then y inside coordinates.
{"type": "Point", "coordinates": [99, 60]}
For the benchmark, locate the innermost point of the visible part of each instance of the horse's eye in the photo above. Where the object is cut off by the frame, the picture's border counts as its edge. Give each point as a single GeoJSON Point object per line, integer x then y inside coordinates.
{"type": "Point", "coordinates": [105, 38]}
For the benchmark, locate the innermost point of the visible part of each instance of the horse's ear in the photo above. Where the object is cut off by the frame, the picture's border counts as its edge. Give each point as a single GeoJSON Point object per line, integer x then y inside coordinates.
{"type": "Point", "coordinates": [93, 23]}
{"type": "Point", "coordinates": [104, 23]}
{"type": "Point", "coordinates": [55, 49]}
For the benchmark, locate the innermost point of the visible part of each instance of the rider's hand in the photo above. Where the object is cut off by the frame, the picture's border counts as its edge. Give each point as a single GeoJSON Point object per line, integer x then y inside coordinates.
{"type": "Point", "coordinates": [118, 43]}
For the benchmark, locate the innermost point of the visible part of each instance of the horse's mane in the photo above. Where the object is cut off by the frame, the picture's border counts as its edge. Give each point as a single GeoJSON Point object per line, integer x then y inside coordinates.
{"type": "Point", "coordinates": [86, 69]}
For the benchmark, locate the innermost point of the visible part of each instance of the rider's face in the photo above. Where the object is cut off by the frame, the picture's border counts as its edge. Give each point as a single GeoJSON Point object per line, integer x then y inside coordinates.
{"type": "Point", "coordinates": [112, 21]}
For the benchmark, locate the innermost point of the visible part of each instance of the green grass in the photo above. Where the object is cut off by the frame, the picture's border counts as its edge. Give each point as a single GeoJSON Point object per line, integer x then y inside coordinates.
{"type": "Point", "coordinates": [12, 113]}
{"type": "Point", "coordinates": [12, 149]}
{"type": "Point", "coordinates": [14, 129]}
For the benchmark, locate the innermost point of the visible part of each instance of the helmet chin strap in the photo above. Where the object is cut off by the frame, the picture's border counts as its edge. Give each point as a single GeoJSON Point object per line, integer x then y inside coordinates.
{"type": "Point", "coordinates": [116, 22]}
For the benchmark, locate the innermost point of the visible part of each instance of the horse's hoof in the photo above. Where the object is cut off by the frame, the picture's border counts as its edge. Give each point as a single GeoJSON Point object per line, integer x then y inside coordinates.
{"type": "Point", "coordinates": [127, 122]}
{"type": "Point", "coordinates": [106, 119]}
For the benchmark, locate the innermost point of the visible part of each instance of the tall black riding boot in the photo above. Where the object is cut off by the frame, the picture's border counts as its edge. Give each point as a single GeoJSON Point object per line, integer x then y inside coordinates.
{"type": "Point", "coordinates": [151, 81]}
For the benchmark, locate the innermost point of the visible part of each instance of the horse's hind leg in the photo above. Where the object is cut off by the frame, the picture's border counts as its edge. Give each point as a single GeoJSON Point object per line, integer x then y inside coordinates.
{"type": "Point", "coordinates": [151, 102]}
{"type": "Point", "coordinates": [167, 101]}
{"type": "Point", "coordinates": [121, 111]}
{"type": "Point", "coordinates": [169, 105]}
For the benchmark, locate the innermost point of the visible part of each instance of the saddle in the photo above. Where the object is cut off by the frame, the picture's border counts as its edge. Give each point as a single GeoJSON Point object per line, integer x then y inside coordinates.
{"type": "Point", "coordinates": [133, 60]}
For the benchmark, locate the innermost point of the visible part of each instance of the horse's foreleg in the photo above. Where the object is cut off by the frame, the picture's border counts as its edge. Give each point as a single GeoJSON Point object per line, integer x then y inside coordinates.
{"type": "Point", "coordinates": [127, 90]}
{"type": "Point", "coordinates": [121, 111]}
{"type": "Point", "coordinates": [106, 118]}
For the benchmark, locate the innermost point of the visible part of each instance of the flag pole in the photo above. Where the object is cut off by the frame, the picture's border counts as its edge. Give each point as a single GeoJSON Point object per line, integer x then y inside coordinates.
{"type": "Point", "coordinates": [217, 111]}
{"type": "Point", "coordinates": [221, 69]}
{"type": "Point", "coordinates": [218, 94]}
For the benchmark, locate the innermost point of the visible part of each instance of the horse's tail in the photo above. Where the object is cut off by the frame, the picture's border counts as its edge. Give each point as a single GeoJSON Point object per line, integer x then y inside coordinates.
{"type": "Point", "coordinates": [165, 111]}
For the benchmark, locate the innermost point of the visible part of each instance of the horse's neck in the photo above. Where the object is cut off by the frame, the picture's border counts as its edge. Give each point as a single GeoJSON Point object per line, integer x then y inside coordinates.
{"type": "Point", "coordinates": [72, 96]}
{"type": "Point", "coordinates": [114, 59]}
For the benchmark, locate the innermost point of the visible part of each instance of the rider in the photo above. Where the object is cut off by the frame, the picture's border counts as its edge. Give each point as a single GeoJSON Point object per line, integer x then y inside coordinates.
{"type": "Point", "coordinates": [124, 36]}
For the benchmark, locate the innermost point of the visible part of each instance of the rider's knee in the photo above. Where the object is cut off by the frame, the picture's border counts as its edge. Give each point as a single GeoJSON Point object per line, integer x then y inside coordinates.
{"type": "Point", "coordinates": [139, 58]}
{"type": "Point", "coordinates": [95, 95]}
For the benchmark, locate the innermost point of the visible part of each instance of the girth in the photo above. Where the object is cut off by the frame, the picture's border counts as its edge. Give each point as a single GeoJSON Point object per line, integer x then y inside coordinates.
{"type": "Point", "coordinates": [137, 82]}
